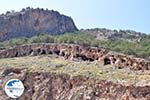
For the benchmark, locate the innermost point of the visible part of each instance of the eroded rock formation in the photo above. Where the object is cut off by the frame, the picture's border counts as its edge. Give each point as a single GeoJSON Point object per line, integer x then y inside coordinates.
{"type": "Point", "coordinates": [30, 22]}
{"type": "Point", "coordinates": [52, 86]}
{"type": "Point", "coordinates": [72, 51]}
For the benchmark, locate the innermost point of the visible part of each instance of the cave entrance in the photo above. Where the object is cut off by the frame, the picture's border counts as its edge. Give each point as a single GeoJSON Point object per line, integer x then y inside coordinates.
{"type": "Point", "coordinates": [43, 52]}
{"type": "Point", "coordinates": [107, 61]}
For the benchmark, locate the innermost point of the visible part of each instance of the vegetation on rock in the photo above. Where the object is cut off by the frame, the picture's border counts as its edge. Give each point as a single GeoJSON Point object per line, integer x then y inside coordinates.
{"type": "Point", "coordinates": [140, 49]}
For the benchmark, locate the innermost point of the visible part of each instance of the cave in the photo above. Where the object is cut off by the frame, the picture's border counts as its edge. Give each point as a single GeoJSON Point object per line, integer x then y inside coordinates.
{"type": "Point", "coordinates": [38, 50]}
{"type": "Point", "coordinates": [16, 54]}
{"type": "Point", "coordinates": [107, 61]}
{"type": "Point", "coordinates": [57, 52]}
{"type": "Point", "coordinates": [123, 60]}
{"type": "Point", "coordinates": [62, 53]}
{"type": "Point", "coordinates": [90, 59]}
{"type": "Point", "coordinates": [50, 52]}
{"type": "Point", "coordinates": [30, 52]}
{"type": "Point", "coordinates": [43, 52]}
{"type": "Point", "coordinates": [84, 58]}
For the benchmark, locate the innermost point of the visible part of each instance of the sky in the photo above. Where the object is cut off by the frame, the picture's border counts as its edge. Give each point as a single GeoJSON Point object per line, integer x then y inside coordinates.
{"type": "Point", "coordinates": [111, 14]}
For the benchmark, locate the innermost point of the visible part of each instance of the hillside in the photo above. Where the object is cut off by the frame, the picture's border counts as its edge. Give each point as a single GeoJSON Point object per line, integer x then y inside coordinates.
{"type": "Point", "coordinates": [108, 34]}
{"type": "Point", "coordinates": [29, 22]}
{"type": "Point", "coordinates": [138, 49]}
{"type": "Point", "coordinates": [56, 61]}
{"type": "Point", "coordinates": [48, 75]}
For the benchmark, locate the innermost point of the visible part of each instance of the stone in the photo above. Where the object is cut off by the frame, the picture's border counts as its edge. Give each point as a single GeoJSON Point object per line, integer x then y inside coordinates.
{"type": "Point", "coordinates": [30, 22]}
{"type": "Point", "coordinates": [74, 51]}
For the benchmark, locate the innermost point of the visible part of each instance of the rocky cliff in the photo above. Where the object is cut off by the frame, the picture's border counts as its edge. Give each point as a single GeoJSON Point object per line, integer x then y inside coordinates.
{"type": "Point", "coordinates": [29, 22]}
{"type": "Point", "coordinates": [84, 53]}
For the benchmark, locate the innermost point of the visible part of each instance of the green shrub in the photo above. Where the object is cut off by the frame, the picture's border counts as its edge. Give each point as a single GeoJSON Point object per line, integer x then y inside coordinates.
{"type": "Point", "coordinates": [141, 49]}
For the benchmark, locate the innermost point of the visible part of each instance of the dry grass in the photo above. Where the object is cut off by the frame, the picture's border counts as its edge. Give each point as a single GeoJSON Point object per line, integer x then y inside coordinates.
{"type": "Point", "coordinates": [59, 65]}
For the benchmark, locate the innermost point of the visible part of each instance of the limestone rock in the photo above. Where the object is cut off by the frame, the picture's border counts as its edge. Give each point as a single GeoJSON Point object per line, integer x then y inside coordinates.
{"type": "Point", "coordinates": [30, 22]}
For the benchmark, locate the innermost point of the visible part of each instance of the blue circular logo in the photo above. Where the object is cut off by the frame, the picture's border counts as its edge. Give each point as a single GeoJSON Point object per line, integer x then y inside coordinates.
{"type": "Point", "coordinates": [14, 88]}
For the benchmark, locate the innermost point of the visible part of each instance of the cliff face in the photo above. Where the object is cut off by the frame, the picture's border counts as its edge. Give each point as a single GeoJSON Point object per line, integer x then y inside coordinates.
{"type": "Point", "coordinates": [29, 22]}
{"type": "Point", "coordinates": [84, 53]}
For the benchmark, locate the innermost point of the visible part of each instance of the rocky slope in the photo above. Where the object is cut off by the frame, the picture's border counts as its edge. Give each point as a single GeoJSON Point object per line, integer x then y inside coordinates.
{"type": "Point", "coordinates": [107, 34]}
{"type": "Point", "coordinates": [30, 22]}
{"type": "Point", "coordinates": [47, 78]}
{"type": "Point", "coordinates": [52, 86]}
{"type": "Point", "coordinates": [69, 71]}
